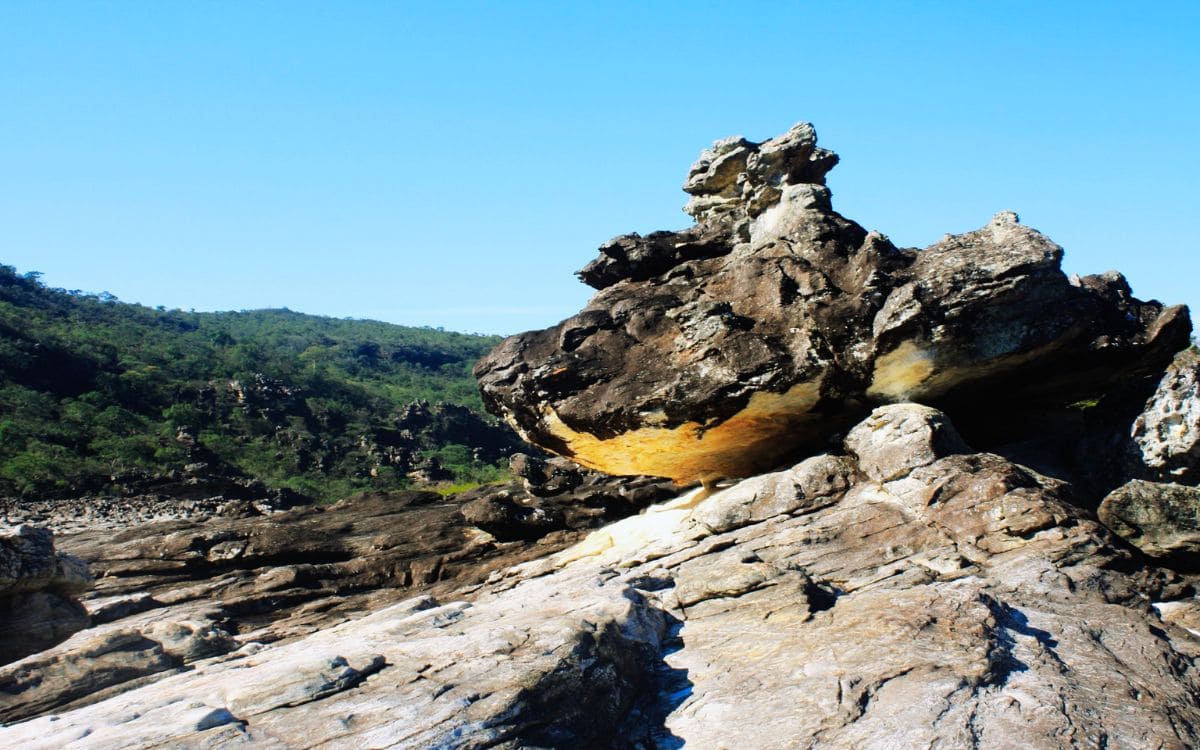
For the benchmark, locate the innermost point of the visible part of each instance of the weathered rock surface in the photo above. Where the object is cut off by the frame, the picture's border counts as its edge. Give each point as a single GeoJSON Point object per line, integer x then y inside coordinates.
{"type": "Point", "coordinates": [905, 594]}
{"type": "Point", "coordinates": [756, 334]}
{"type": "Point", "coordinates": [1161, 519]}
{"type": "Point", "coordinates": [1166, 436]}
{"type": "Point", "coordinates": [38, 592]}
{"type": "Point", "coordinates": [170, 593]}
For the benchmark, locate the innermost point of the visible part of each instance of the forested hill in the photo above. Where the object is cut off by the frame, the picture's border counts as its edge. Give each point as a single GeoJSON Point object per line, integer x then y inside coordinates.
{"type": "Point", "coordinates": [101, 396]}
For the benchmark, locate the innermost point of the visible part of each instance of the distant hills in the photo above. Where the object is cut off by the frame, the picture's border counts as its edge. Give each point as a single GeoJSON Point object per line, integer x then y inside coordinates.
{"type": "Point", "coordinates": [101, 396]}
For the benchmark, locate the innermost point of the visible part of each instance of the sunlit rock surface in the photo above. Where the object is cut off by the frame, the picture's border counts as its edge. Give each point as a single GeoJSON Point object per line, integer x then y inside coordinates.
{"type": "Point", "coordinates": [904, 593]}
{"type": "Point", "coordinates": [750, 338]}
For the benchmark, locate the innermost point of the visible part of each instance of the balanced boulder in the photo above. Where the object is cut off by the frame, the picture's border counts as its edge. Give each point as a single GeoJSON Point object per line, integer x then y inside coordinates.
{"type": "Point", "coordinates": [727, 348]}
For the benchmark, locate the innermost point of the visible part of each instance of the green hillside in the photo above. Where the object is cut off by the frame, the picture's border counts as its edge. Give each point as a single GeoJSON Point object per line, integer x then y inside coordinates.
{"type": "Point", "coordinates": [98, 395]}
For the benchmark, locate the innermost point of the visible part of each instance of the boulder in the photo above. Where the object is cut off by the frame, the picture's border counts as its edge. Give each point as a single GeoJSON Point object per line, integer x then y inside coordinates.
{"type": "Point", "coordinates": [38, 592]}
{"type": "Point", "coordinates": [1166, 436]}
{"type": "Point", "coordinates": [1160, 519]}
{"type": "Point", "coordinates": [898, 438]}
{"type": "Point", "coordinates": [755, 335]}
{"type": "Point", "coordinates": [508, 520]}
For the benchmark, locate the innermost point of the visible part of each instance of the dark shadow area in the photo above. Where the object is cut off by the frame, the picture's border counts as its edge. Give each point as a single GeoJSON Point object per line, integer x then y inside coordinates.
{"type": "Point", "coordinates": [668, 688]}
{"type": "Point", "coordinates": [1084, 442]}
{"type": "Point", "coordinates": [1002, 659]}
{"type": "Point", "coordinates": [612, 689]}
{"type": "Point", "coordinates": [821, 596]}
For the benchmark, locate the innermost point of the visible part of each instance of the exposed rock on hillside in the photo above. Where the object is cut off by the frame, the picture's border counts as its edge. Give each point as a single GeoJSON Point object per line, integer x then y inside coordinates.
{"type": "Point", "coordinates": [727, 347]}
{"type": "Point", "coordinates": [38, 590]}
{"type": "Point", "coordinates": [905, 594]}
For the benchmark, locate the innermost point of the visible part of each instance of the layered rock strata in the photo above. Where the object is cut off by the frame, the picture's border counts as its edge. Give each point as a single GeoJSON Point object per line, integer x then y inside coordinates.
{"type": "Point", "coordinates": [904, 593]}
{"type": "Point", "coordinates": [754, 335]}
{"type": "Point", "coordinates": [174, 593]}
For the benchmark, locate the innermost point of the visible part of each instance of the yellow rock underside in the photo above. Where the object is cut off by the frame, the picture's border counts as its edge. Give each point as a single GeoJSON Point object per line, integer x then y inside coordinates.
{"type": "Point", "coordinates": [746, 443]}
{"type": "Point", "coordinates": [900, 373]}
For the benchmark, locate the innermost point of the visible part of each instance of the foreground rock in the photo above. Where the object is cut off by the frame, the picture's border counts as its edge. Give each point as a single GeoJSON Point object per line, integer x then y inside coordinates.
{"type": "Point", "coordinates": [919, 596]}
{"type": "Point", "coordinates": [172, 593]}
{"type": "Point", "coordinates": [723, 349]}
{"type": "Point", "coordinates": [38, 593]}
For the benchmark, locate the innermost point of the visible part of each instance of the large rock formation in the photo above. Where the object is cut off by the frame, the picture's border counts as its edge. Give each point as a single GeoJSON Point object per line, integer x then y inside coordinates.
{"type": "Point", "coordinates": [723, 349]}
{"type": "Point", "coordinates": [895, 588]}
{"type": "Point", "coordinates": [905, 593]}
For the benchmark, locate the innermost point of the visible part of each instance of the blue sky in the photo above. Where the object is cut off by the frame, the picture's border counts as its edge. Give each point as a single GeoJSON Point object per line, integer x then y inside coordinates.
{"type": "Point", "coordinates": [452, 164]}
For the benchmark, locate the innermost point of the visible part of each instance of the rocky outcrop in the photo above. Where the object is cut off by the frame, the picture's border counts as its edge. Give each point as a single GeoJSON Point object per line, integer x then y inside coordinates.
{"type": "Point", "coordinates": [895, 587]}
{"type": "Point", "coordinates": [753, 336]}
{"type": "Point", "coordinates": [1166, 436]}
{"type": "Point", "coordinates": [174, 592]}
{"type": "Point", "coordinates": [38, 592]}
{"type": "Point", "coordinates": [904, 593]}
{"type": "Point", "coordinates": [556, 495]}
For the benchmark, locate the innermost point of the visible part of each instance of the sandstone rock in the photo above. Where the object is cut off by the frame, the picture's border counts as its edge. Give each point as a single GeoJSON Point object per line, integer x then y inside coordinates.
{"type": "Point", "coordinates": [178, 592]}
{"type": "Point", "coordinates": [38, 589]}
{"type": "Point", "coordinates": [96, 664]}
{"type": "Point", "coordinates": [29, 562]}
{"type": "Point", "coordinates": [1166, 436]}
{"type": "Point", "coordinates": [754, 336]}
{"type": "Point", "coordinates": [1162, 520]}
{"type": "Point", "coordinates": [546, 478]}
{"type": "Point", "coordinates": [898, 438]}
{"type": "Point", "coordinates": [963, 603]}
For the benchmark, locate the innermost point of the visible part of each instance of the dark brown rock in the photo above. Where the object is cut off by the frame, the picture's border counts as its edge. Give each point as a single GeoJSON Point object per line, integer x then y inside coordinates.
{"type": "Point", "coordinates": [728, 347]}
{"type": "Point", "coordinates": [508, 520]}
{"type": "Point", "coordinates": [1160, 519]}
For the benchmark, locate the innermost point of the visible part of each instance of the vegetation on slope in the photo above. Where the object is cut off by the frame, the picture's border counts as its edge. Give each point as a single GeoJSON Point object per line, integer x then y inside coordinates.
{"type": "Point", "coordinates": [97, 395]}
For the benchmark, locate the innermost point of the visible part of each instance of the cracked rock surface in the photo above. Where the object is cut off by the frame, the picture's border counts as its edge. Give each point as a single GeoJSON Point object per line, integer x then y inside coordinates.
{"type": "Point", "coordinates": [747, 340]}
{"type": "Point", "coordinates": [905, 593]}
{"type": "Point", "coordinates": [171, 594]}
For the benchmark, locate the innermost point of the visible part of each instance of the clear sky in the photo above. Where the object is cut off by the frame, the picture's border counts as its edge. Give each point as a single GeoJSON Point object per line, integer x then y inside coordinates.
{"type": "Point", "coordinates": [452, 164]}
